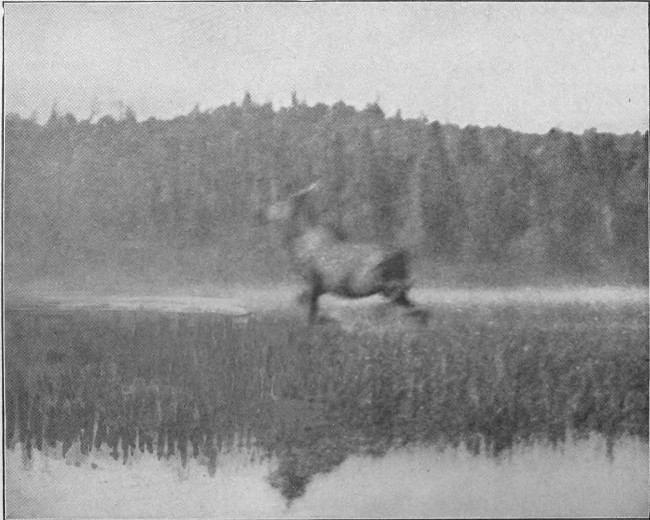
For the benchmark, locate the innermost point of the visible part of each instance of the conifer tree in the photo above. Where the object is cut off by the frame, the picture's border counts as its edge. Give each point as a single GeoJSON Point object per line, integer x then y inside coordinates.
{"type": "Point", "coordinates": [443, 216]}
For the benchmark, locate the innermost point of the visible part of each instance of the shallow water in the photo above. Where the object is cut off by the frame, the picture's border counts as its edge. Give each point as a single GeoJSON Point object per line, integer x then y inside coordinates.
{"type": "Point", "coordinates": [574, 480]}
{"type": "Point", "coordinates": [232, 300]}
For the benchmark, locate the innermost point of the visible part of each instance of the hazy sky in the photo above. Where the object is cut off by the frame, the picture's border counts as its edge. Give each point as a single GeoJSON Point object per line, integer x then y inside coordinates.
{"type": "Point", "coordinates": [524, 66]}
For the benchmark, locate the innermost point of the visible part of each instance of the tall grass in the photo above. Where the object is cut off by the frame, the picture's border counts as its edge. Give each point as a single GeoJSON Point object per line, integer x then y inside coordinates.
{"type": "Point", "coordinates": [195, 384]}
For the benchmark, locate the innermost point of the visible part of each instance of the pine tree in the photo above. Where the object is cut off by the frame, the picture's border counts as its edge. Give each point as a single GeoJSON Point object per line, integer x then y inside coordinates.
{"type": "Point", "coordinates": [384, 191]}
{"type": "Point", "coordinates": [473, 179]}
{"type": "Point", "coordinates": [443, 214]}
{"type": "Point", "coordinates": [504, 213]}
{"type": "Point", "coordinates": [357, 219]}
{"type": "Point", "coordinates": [568, 209]}
{"type": "Point", "coordinates": [338, 176]}
{"type": "Point", "coordinates": [630, 217]}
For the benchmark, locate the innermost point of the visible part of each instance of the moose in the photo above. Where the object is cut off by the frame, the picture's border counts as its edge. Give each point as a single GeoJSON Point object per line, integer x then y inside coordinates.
{"type": "Point", "coordinates": [328, 263]}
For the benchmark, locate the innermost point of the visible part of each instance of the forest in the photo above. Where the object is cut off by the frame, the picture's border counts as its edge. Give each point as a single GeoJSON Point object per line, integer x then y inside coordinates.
{"type": "Point", "coordinates": [174, 201]}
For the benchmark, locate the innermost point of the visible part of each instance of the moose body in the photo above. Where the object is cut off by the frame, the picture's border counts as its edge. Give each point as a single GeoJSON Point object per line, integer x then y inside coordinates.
{"type": "Point", "coordinates": [329, 264]}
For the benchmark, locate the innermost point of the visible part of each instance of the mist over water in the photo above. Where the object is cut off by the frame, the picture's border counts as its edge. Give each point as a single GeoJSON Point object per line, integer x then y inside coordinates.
{"type": "Point", "coordinates": [571, 480]}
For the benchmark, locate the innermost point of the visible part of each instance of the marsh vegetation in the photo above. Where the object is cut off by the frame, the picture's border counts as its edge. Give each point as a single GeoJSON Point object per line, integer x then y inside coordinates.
{"type": "Point", "coordinates": [193, 385]}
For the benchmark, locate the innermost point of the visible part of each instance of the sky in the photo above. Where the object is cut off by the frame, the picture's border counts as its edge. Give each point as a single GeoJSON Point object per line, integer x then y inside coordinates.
{"type": "Point", "coordinates": [524, 66]}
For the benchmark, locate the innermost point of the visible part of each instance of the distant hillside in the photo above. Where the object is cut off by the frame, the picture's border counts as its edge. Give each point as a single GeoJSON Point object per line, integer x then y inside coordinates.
{"type": "Point", "coordinates": [177, 197]}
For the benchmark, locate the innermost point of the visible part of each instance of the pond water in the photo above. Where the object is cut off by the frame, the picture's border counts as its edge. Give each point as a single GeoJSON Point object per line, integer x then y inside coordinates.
{"type": "Point", "coordinates": [523, 405]}
{"type": "Point", "coordinates": [232, 299]}
{"type": "Point", "coordinates": [576, 479]}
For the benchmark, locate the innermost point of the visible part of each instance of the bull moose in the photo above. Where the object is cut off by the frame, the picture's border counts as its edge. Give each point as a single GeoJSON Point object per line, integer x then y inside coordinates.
{"type": "Point", "coordinates": [328, 263]}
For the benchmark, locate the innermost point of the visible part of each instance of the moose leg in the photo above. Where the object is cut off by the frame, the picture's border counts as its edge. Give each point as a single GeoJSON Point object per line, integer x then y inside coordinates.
{"type": "Point", "coordinates": [420, 314]}
{"type": "Point", "coordinates": [313, 303]}
{"type": "Point", "coordinates": [402, 300]}
{"type": "Point", "coordinates": [396, 292]}
{"type": "Point", "coordinates": [313, 293]}
{"type": "Point", "coordinates": [304, 297]}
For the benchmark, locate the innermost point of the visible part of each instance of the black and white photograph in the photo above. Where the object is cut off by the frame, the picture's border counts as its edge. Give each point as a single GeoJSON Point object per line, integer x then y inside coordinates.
{"type": "Point", "coordinates": [325, 259]}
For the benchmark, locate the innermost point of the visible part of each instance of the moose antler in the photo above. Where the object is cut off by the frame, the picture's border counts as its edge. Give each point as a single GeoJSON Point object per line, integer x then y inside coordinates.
{"type": "Point", "coordinates": [281, 209]}
{"type": "Point", "coordinates": [314, 185]}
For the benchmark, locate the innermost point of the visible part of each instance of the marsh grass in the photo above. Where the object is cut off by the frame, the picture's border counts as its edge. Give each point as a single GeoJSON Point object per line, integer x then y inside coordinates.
{"type": "Point", "coordinates": [485, 378]}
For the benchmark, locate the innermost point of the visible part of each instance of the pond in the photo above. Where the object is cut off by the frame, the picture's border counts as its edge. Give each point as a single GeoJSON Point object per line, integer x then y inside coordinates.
{"type": "Point", "coordinates": [575, 480]}
{"type": "Point", "coordinates": [485, 410]}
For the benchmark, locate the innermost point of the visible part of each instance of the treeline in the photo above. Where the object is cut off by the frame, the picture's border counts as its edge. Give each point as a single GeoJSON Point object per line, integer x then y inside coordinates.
{"type": "Point", "coordinates": [111, 191]}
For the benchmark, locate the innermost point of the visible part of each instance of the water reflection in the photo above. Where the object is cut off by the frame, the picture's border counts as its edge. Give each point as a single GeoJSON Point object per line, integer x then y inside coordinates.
{"type": "Point", "coordinates": [192, 387]}
{"type": "Point", "coordinates": [576, 480]}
